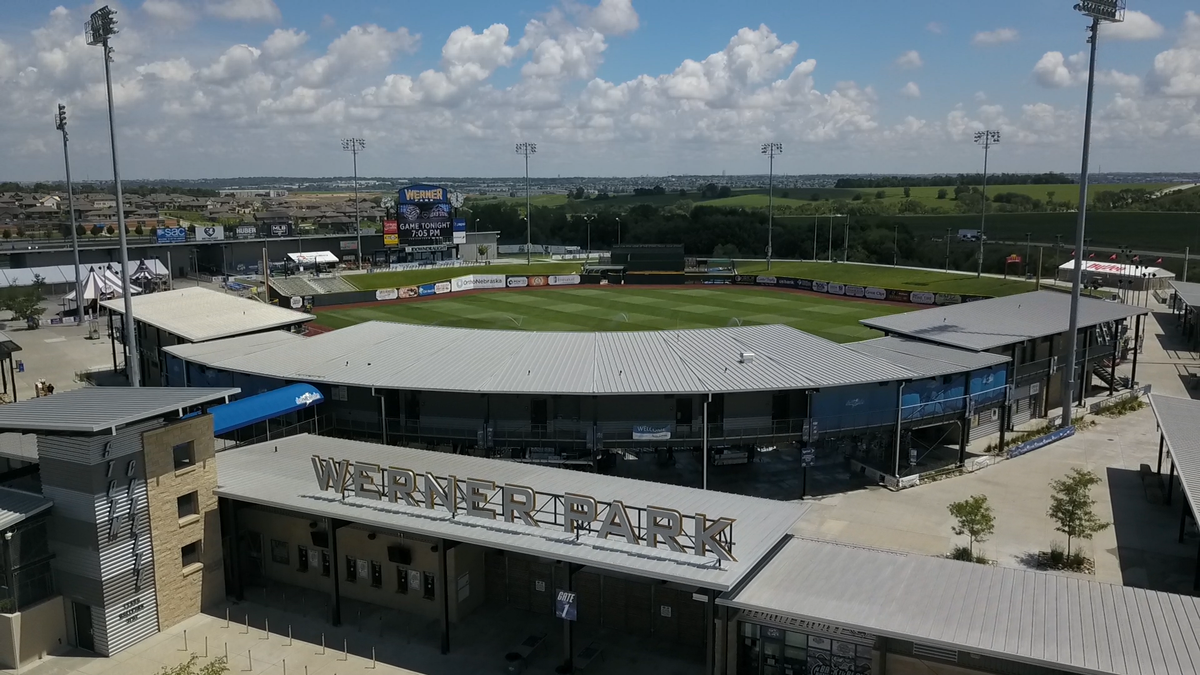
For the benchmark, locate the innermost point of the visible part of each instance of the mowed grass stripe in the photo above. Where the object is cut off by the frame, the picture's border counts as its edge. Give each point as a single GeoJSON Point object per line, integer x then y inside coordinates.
{"type": "Point", "coordinates": [616, 309]}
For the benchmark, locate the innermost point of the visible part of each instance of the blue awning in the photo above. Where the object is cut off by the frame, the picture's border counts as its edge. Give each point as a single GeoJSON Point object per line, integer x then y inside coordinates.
{"type": "Point", "coordinates": [264, 406]}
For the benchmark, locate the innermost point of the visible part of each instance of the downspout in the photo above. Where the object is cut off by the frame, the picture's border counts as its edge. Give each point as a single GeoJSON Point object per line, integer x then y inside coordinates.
{"type": "Point", "coordinates": [899, 420]}
{"type": "Point", "coordinates": [704, 454]}
{"type": "Point", "coordinates": [382, 414]}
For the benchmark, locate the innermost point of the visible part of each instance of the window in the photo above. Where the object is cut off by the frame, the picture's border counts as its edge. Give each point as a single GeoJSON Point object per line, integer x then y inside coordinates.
{"type": "Point", "coordinates": [301, 558]}
{"type": "Point", "coordinates": [376, 575]}
{"type": "Point", "coordinates": [189, 505]}
{"type": "Point", "coordinates": [430, 586]}
{"type": "Point", "coordinates": [190, 554]}
{"type": "Point", "coordinates": [279, 552]}
{"type": "Point", "coordinates": [324, 563]}
{"type": "Point", "coordinates": [184, 454]}
{"type": "Point", "coordinates": [351, 570]}
{"type": "Point", "coordinates": [401, 580]}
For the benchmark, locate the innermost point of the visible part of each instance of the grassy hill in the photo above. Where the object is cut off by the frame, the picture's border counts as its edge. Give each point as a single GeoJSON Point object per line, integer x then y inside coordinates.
{"type": "Point", "coordinates": [890, 277]}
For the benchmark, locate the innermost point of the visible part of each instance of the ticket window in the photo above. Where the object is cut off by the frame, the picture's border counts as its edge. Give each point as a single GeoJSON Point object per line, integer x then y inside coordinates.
{"type": "Point", "coordinates": [766, 650]}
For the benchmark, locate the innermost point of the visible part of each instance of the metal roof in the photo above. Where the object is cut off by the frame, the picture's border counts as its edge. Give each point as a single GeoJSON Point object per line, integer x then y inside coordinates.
{"type": "Point", "coordinates": [1179, 421]}
{"type": "Point", "coordinates": [95, 409]}
{"type": "Point", "coordinates": [280, 474]}
{"type": "Point", "coordinates": [16, 506]}
{"type": "Point", "coordinates": [1052, 620]}
{"type": "Point", "coordinates": [986, 324]}
{"type": "Point", "coordinates": [19, 446]}
{"type": "Point", "coordinates": [927, 358]}
{"type": "Point", "coordinates": [438, 358]}
{"type": "Point", "coordinates": [241, 345]}
{"type": "Point", "coordinates": [198, 314]}
{"type": "Point", "coordinates": [1187, 291]}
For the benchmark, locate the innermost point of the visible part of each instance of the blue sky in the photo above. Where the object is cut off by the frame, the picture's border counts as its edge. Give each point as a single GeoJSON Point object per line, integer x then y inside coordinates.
{"type": "Point", "coordinates": [605, 87]}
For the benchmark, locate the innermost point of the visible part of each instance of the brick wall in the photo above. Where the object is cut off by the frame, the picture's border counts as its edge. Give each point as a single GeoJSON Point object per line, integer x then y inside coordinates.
{"type": "Point", "coordinates": [183, 592]}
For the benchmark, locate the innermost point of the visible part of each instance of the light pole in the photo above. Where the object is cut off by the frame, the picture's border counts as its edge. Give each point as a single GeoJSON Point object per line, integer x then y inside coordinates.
{"type": "Point", "coordinates": [814, 238]}
{"type": "Point", "coordinates": [1027, 249]}
{"type": "Point", "coordinates": [60, 123]}
{"type": "Point", "coordinates": [895, 243]}
{"type": "Point", "coordinates": [528, 149]}
{"type": "Point", "coordinates": [1111, 11]}
{"type": "Point", "coordinates": [355, 146]}
{"type": "Point", "coordinates": [947, 249]}
{"type": "Point", "coordinates": [987, 139]}
{"type": "Point", "coordinates": [770, 150]}
{"type": "Point", "coordinates": [99, 28]}
{"type": "Point", "coordinates": [831, 235]}
{"type": "Point", "coordinates": [846, 241]}
{"type": "Point", "coordinates": [618, 231]}
{"type": "Point", "coordinates": [588, 218]}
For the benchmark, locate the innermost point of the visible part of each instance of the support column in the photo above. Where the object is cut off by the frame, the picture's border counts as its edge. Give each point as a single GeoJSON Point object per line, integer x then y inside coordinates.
{"type": "Point", "coordinates": [227, 511]}
{"type": "Point", "coordinates": [1196, 579]}
{"type": "Point", "coordinates": [112, 341]}
{"type": "Point", "coordinates": [1004, 417]}
{"type": "Point", "coordinates": [710, 621]}
{"type": "Point", "coordinates": [1183, 514]}
{"type": "Point", "coordinates": [443, 594]}
{"type": "Point", "coordinates": [1137, 331]}
{"type": "Point", "coordinates": [1162, 438]}
{"type": "Point", "coordinates": [1085, 375]}
{"type": "Point", "coordinates": [568, 664]}
{"type": "Point", "coordinates": [1112, 372]}
{"type": "Point", "coordinates": [966, 422]}
{"type": "Point", "coordinates": [1171, 481]}
{"type": "Point", "coordinates": [335, 600]}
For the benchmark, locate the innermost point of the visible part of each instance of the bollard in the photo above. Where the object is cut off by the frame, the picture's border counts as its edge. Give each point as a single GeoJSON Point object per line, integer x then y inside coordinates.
{"type": "Point", "coordinates": [285, 667]}
{"type": "Point", "coordinates": [226, 652]}
{"type": "Point", "coordinates": [359, 622]}
{"type": "Point", "coordinates": [249, 660]}
{"type": "Point", "coordinates": [227, 617]}
{"type": "Point", "coordinates": [372, 659]}
{"type": "Point", "coordinates": [247, 632]}
{"type": "Point", "coordinates": [345, 649]}
{"type": "Point", "coordinates": [185, 641]}
{"type": "Point", "coordinates": [266, 629]}
{"type": "Point", "coordinates": [289, 635]}
{"type": "Point", "coordinates": [206, 646]}
{"type": "Point", "coordinates": [322, 644]}
{"type": "Point", "coordinates": [305, 669]}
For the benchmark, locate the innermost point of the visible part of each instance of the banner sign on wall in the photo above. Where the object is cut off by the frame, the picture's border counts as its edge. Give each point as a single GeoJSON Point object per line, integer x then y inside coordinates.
{"type": "Point", "coordinates": [210, 233]}
{"type": "Point", "coordinates": [425, 289]}
{"type": "Point", "coordinates": [348, 245]}
{"type": "Point", "coordinates": [246, 232]}
{"type": "Point", "coordinates": [921, 297]}
{"type": "Point", "coordinates": [563, 280]}
{"type": "Point", "coordinates": [408, 292]}
{"type": "Point", "coordinates": [170, 235]}
{"type": "Point", "coordinates": [517, 282]}
{"type": "Point", "coordinates": [441, 287]}
{"type": "Point", "coordinates": [855, 291]}
{"type": "Point", "coordinates": [537, 281]}
{"type": "Point", "coordinates": [281, 229]}
{"type": "Point", "coordinates": [836, 289]}
{"type": "Point", "coordinates": [473, 282]}
{"type": "Point", "coordinates": [652, 432]}
{"type": "Point", "coordinates": [875, 294]}
{"type": "Point", "coordinates": [387, 294]}
{"type": "Point", "coordinates": [460, 231]}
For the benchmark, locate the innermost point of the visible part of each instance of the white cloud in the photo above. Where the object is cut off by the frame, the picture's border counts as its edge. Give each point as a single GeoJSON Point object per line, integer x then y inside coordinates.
{"type": "Point", "coordinates": [1136, 26]}
{"type": "Point", "coordinates": [360, 47]}
{"type": "Point", "coordinates": [174, 70]}
{"type": "Point", "coordinates": [751, 57]}
{"type": "Point", "coordinates": [1051, 71]}
{"type": "Point", "coordinates": [1055, 71]}
{"type": "Point", "coordinates": [283, 42]}
{"type": "Point", "coordinates": [980, 96]}
{"type": "Point", "coordinates": [935, 28]}
{"type": "Point", "coordinates": [328, 22]}
{"type": "Point", "coordinates": [910, 59]}
{"type": "Point", "coordinates": [575, 54]}
{"type": "Point", "coordinates": [911, 90]}
{"type": "Point", "coordinates": [235, 64]}
{"type": "Point", "coordinates": [244, 10]}
{"type": "Point", "coordinates": [614, 17]}
{"type": "Point", "coordinates": [995, 37]}
{"type": "Point", "coordinates": [1176, 72]}
{"type": "Point", "coordinates": [171, 12]}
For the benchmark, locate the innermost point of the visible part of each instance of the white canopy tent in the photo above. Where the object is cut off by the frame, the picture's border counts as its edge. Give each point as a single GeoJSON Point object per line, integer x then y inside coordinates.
{"type": "Point", "coordinates": [102, 285]}
{"type": "Point", "coordinates": [1109, 273]}
{"type": "Point", "coordinates": [314, 258]}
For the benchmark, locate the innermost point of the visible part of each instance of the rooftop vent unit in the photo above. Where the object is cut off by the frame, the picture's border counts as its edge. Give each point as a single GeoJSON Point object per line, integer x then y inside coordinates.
{"type": "Point", "coordinates": [746, 357]}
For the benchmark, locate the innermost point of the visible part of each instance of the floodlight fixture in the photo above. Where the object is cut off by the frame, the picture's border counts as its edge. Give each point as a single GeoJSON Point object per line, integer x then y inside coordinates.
{"type": "Point", "coordinates": [526, 149]}
{"type": "Point", "coordinates": [100, 26]}
{"type": "Point", "coordinates": [355, 146]}
{"type": "Point", "coordinates": [1109, 11]}
{"type": "Point", "coordinates": [770, 150]}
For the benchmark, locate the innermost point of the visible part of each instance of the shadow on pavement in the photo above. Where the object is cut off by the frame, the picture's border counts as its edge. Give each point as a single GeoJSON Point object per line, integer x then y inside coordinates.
{"type": "Point", "coordinates": [1147, 534]}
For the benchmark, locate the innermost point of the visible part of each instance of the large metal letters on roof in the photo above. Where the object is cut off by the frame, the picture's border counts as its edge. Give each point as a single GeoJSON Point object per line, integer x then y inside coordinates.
{"type": "Point", "coordinates": [653, 527]}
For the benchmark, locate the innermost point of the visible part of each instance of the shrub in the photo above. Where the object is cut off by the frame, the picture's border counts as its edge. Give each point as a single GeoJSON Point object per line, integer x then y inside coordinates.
{"type": "Point", "coordinates": [962, 553]}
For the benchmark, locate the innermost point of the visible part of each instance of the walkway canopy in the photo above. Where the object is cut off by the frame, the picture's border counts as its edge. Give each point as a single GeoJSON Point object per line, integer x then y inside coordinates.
{"type": "Point", "coordinates": [262, 407]}
{"type": "Point", "coordinates": [317, 258]}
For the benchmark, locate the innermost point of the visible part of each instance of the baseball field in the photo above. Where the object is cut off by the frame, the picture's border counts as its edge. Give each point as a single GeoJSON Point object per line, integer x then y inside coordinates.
{"type": "Point", "coordinates": [614, 308]}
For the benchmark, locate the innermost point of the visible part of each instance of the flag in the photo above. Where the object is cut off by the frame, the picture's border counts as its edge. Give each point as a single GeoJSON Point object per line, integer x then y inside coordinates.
{"type": "Point", "coordinates": [1137, 258]}
{"type": "Point", "coordinates": [1091, 255]}
{"type": "Point", "coordinates": [1158, 262]}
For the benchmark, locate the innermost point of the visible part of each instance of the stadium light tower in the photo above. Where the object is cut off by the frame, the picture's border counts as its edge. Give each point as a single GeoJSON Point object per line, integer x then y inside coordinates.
{"type": "Point", "coordinates": [60, 123]}
{"type": "Point", "coordinates": [770, 150]}
{"type": "Point", "coordinates": [99, 28]}
{"type": "Point", "coordinates": [986, 139]}
{"type": "Point", "coordinates": [527, 149]}
{"type": "Point", "coordinates": [355, 146]}
{"type": "Point", "coordinates": [1107, 11]}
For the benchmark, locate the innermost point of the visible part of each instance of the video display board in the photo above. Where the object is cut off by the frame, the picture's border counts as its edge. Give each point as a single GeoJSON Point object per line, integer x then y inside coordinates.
{"type": "Point", "coordinates": [423, 216]}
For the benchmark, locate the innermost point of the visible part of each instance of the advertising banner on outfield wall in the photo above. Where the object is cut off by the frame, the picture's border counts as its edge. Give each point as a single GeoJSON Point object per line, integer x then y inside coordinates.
{"type": "Point", "coordinates": [426, 289]}
{"type": "Point", "coordinates": [875, 293]}
{"type": "Point", "coordinates": [170, 235]}
{"type": "Point", "coordinates": [408, 292]}
{"type": "Point", "coordinates": [466, 283]}
{"type": "Point", "coordinates": [441, 287]}
{"type": "Point", "coordinates": [563, 280]}
{"type": "Point", "coordinates": [387, 294]}
{"type": "Point", "coordinates": [853, 291]}
{"type": "Point", "coordinates": [517, 282]}
{"type": "Point", "coordinates": [921, 297]}
{"type": "Point", "coordinates": [537, 281]}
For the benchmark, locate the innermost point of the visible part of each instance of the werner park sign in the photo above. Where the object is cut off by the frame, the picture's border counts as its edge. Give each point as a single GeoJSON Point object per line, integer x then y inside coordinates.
{"type": "Point", "coordinates": [652, 526]}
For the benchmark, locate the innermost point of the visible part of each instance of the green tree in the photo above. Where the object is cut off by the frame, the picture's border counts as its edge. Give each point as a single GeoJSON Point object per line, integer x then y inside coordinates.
{"type": "Point", "coordinates": [7, 233]}
{"type": "Point", "coordinates": [882, 194]}
{"type": "Point", "coordinates": [138, 230]}
{"type": "Point", "coordinates": [20, 231]}
{"type": "Point", "coordinates": [814, 197]}
{"type": "Point", "coordinates": [217, 666]}
{"type": "Point", "coordinates": [907, 192]}
{"type": "Point", "coordinates": [942, 193]}
{"type": "Point", "coordinates": [724, 192]}
{"type": "Point", "coordinates": [1071, 506]}
{"type": "Point", "coordinates": [785, 194]}
{"type": "Point", "coordinates": [960, 190]}
{"type": "Point", "coordinates": [974, 519]}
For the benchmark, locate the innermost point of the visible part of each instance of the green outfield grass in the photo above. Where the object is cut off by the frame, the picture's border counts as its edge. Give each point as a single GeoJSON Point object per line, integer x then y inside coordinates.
{"type": "Point", "coordinates": [890, 277]}
{"type": "Point", "coordinates": [600, 308]}
{"type": "Point", "coordinates": [377, 280]}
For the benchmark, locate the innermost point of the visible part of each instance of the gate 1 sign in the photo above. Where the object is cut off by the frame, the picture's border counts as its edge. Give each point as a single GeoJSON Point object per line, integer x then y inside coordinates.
{"type": "Point", "coordinates": [566, 605]}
